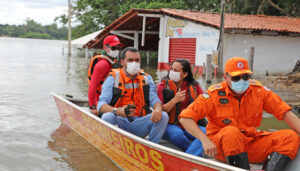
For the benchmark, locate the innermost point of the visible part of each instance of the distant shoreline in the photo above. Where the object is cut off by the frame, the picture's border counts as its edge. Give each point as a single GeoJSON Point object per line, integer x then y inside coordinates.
{"type": "Point", "coordinates": [5, 36]}
{"type": "Point", "coordinates": [10, 37]}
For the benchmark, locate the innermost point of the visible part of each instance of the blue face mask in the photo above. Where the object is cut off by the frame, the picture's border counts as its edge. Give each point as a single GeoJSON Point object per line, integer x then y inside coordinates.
{"type": "Point", "coordinates": [240, 86]}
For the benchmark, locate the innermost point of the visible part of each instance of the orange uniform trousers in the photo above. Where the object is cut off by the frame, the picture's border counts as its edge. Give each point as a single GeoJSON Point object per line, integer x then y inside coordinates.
{"type": "Point", "coordinates": [230, 141]}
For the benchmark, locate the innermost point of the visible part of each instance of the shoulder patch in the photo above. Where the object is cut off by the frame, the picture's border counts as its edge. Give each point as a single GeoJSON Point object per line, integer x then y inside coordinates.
{"type": "Point", "coordinates": [255, 82]}
{"type": "Point", "coordinates": [205, 95]}
{"type": "Point", "coordinates": [215, 87]}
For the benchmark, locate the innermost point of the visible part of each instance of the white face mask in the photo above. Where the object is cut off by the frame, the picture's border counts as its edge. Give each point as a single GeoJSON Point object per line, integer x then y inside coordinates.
{"type": "Point", "coordinates": [133, 68]}
{"type": "Point", "coordinates": [175, 76]}
{"type": "Point", "coordinates": [113, 53]}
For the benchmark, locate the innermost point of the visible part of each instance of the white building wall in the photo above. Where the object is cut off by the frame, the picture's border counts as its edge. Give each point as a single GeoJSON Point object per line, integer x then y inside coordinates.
{"type": "Point", "coordinates": [206, 38]}
{"type": "Point", "coordinates": [272, 53]}
{"type": "Point", "coordinates": [163, 44]}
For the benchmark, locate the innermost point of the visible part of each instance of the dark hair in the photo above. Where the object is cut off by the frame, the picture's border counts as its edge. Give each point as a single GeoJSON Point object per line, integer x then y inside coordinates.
{"type": "Point", "coordinates": [186, 67]}
{"type": "Point", "coordinates": [131, 49]}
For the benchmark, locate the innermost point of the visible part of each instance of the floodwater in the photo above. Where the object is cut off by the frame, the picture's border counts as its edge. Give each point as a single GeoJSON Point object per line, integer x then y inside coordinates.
{"type": "Point", "coordinates": [31, 134]}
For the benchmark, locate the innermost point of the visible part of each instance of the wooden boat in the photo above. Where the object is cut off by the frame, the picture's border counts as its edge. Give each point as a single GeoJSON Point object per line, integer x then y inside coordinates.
{"type": "Point", "coordinates": [131, 152]}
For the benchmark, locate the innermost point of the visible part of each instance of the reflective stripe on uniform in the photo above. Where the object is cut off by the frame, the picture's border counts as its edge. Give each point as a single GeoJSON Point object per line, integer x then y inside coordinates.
{"type": "Point", "coordinates": [117, 79]}
{"type": "Point", "coordinates": [130, 85]}
{"type": "Point", "coordinates": [111, 61]}
{"type": "Point", "coordinates": [146, 79]}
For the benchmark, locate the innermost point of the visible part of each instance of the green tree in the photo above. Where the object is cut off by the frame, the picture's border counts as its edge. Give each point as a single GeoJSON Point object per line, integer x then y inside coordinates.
{"type": "Point", "coordinates": [62, 19]}
{"type": "Point", "coordinates": [33, 26]}
{"type": "Point", "coordinates": [129, 4]}
{"type": "Point", "coordinates": [18, 31]}
{"type": "Point", "coordinates": [267, 7]}
{"type": "Point", "coordinates": [55, 32]}
{"type": "Point", "coordinates": [32, 29]}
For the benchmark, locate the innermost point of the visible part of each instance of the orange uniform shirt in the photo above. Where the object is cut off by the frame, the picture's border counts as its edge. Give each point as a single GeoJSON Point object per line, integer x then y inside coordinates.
{"type": "Point", "coordinates": [222, 108]}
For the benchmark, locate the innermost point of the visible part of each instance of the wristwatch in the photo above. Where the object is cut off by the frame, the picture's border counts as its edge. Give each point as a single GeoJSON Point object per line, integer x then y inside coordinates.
{"type": "Point", "coordinates": [92, 107]}
{"type": "Point", "coordinates": [115, 111]}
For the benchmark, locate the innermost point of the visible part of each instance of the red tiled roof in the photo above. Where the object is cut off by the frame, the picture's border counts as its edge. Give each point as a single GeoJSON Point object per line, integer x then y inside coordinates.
{"type": "Point", "coordinates": [237, 21]}
{"type": "Point", "coordinates": [232, 21]}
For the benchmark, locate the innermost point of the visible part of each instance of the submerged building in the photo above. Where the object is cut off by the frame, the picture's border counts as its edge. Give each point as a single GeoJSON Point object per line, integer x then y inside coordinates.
{"type": "Point", "coordinates": [192, 35]}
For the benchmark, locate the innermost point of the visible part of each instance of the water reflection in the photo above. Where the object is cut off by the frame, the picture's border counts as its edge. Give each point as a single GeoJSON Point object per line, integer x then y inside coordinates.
{"type": "Point", "coordinates": [76, 75]}
{"type": "Point", "coordinates": [77, 152]}
{"type": "Point", "coordinates": [68, 68]}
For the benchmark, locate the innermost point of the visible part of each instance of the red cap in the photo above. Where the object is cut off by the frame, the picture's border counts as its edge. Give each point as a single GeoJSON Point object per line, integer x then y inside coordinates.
{"type": "Point", "coordinates": [112, 40]}
{"type": "Point", "coordinates": [237, 66]}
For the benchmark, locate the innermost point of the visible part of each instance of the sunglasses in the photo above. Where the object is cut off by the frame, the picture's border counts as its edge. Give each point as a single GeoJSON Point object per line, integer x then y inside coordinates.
{"type": "Point", "coordinates": [245, 77]}
{"type": "Point", "coordinates": [115, 47]}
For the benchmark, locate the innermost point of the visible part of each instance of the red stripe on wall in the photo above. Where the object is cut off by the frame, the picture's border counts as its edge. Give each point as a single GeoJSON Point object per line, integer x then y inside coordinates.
{"type": "Point", "coordinates": [163, 66]}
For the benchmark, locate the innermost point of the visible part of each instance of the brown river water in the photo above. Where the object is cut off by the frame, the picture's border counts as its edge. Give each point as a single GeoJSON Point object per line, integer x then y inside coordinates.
{"type": "Point", "coordinates": [31, 134]}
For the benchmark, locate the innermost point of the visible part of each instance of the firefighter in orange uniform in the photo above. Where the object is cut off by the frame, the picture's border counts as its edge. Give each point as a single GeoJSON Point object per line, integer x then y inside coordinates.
{"type": "Point", "coordinates": [234, 109]}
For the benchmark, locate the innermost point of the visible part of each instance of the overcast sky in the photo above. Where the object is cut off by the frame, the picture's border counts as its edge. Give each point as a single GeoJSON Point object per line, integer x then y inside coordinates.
{"type": "Point", "coordinates": [41, 11]}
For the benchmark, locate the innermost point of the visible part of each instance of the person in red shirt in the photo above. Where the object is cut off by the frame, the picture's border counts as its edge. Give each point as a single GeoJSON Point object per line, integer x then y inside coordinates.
{"type": "Point", "coordinates": [234, 109]}
{"type": "Point", "coordinates": [99, 68]}
{"type": "Point", "coordinates": [176, 92]}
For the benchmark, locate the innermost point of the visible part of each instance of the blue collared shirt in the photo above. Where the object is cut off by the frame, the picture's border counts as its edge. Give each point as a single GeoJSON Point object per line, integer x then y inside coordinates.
{"type": "Point", "coordinates": [107, 92]}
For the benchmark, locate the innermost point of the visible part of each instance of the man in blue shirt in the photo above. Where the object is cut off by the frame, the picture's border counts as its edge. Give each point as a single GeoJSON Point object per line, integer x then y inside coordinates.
{"type": "Point", "coordinates": [127, 95]}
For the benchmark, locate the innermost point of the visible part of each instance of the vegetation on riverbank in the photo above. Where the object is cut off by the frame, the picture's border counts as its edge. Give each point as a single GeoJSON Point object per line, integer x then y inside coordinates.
{"type": "Point", "coordinates": [32, 29]}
